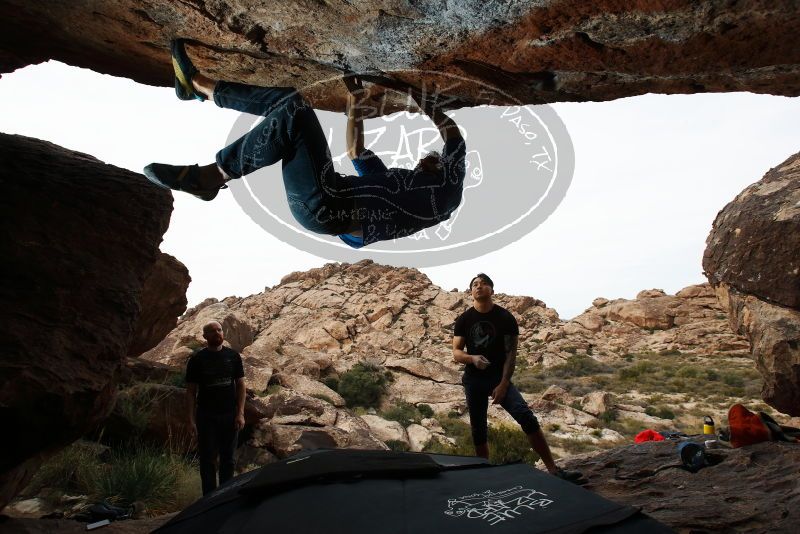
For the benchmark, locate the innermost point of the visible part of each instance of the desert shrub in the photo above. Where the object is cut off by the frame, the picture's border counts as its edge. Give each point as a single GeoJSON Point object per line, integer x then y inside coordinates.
{"type": "Point", "coordinates": [554, 427]}
{"type": "Point", "coordinates": [162, 481]}
{"type": "Point", "coordinates": [425, 410]}
{"type": "Point", "coordinates": [577, 365]}
{"type": "Point", "coordinates": [661, 412]}
{"type": "Point", "coordinates": [403, 412]}
{"type": "Point", "coordinates": [148, 475]}
{"type": "Point", "coordinates": [712, 375]}
{"type": "Point", "coordinates": [608, 416]}
{"type": "Point", "coordinates": [733, 379]}
{"type": "Point", "coordinates": [332, 382]}
{"type": "Point", "coordinates": [177, 380]}
{"type": "Point", "coordinates": [452, 414]}
{"type": "Point", "coordinates": [509, 444]}
{"type": "Point", "coordinates": [72, 470]}
{"type": "Point", "coordinates": [397, 445]}
{"type": "Point", "coordinates": [636, 370]}
{"type": "Point", "coordinates": [363, 385]}
{"type": "Point", "coordinates": [688, 372]}
{"type": "Point", "coordinates": [573, 445]}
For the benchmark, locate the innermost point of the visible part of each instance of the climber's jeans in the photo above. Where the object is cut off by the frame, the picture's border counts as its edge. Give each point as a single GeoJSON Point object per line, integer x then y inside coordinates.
{"type": "Point", "coordinates": [290, 131]}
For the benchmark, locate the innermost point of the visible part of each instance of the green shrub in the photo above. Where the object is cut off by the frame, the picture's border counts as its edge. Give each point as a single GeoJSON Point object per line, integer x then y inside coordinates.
{"type": "Point", "coordinates": [733, 380]}
{"type": "Point", "coordinates": [607, 417]}
{"type": "Point", "coordinates": [403, 412]}
{"type": "Point", "coordinates": [509, 444]}
{"type": "Point", "coordinates": [425, 410]}
{"type": "Point", "coordinates": [363, 385]}
{"type": "Point", "coordinates": [661, 412]}
{"type": "Point", "coordinates": [397, 445]}
{"type": "Point", "coordinates": [332, 382]}
{"type": "Point", "coordinates": [147, 475]}
{"type": "Point", "coordinates": [72, 470]}
{"type": "Point", "coordinates": [554, 427]}
{"type": "Point", "coordinates": [452, 414]}
{"type": "Point", "coordinates": [577, 365]}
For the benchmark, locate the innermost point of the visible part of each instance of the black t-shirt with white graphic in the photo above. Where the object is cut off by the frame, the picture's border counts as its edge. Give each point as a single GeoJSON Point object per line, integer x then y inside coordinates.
{"type": "Point", "coordinates": [485, 334]}
{"type": "Point", "coordinates": [215, 373]}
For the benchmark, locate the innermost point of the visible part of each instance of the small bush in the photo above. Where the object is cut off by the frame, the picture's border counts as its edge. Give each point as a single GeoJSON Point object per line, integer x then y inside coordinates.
{"type": "Point", "coordinates": [363, 385]}
{"type": "Point", "coordinates": [609, 416]}
{"type": "Point", "coordinates": [403, 412]}
{"type": "Point", "coordinates": [452, 414]}
{"type": "Point", "coordinates": [661, 412]}
{"type": "Point", "coordinates": [425, 410]}
{"type": "Point", "coordinates": [332, 382]}
{"type": "Point", "coordinates": [146, 475]}
{"type": "Point", "coordinates": [509, 444]}
{"type": "Point", "coordinates": [73, 470]}
{"type": "Point", "coordinates": [554, 427]}
{"type": "Point", "coordinates": [397, 445]}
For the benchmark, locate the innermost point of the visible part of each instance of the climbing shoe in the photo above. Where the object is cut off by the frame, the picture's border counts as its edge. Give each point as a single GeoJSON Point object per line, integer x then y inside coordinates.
{"type": "Point", "coordinates": [184, 178]}
{"type": "Point", "coordinates": [184, 71]}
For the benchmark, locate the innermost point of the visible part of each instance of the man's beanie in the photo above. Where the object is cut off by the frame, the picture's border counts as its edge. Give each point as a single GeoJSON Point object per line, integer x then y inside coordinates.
{"type": "Point", "coordinates": [483, 277]}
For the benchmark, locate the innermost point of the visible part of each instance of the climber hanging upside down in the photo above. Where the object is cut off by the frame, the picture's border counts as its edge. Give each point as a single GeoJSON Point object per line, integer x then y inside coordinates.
{"type": "Point", "coordinates": [381, 203]}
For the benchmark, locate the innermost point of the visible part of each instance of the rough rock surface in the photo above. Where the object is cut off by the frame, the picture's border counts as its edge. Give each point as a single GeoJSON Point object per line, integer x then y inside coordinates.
{"type": "Point", "coordinates": [79, 238]}
{"type": "Point", "coordinates": [754, 244]}
{"type": "Point", "coordinates": [595, 50]}
{"type": "Point", "coordinates": [774, 333]}
{"type": "Point", "coordinates": [163, 301]}
{"type": "Point", "coordinates": [752, 256]}
{"type": "Point", "coordinates": [754, 489]}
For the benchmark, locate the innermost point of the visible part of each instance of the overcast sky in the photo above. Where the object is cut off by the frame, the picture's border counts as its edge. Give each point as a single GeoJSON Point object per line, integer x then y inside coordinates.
{"type": "Point", "coordinates": [651, 174]}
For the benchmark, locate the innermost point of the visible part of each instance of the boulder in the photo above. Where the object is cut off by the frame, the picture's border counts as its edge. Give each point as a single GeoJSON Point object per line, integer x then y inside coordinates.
{"type": "Point", "coordinates": [754, 241]}
{"type": "Point", "coordinates": [752, 259]}
{"type": "Point", "coordinates": [557, 394]}
{"type": "Point", "coordinates": [79, 239]}
{"type": "Point", "coordinates": [307, 386]}
{"type": "Point", "coordinates": [535, 51]}
{"type": "Point", "coordinates": [597, 402]}
{"type": "Point", "coordinates": [418, 437]}
{"type": "Point", "coordinates": [774, 334]}
{"type": "Point", "coordinates": [163, 301]}
{"type": "Point", "coordinates": [386, 430]}
{"type": "Point", "coordinates": [754, 489]}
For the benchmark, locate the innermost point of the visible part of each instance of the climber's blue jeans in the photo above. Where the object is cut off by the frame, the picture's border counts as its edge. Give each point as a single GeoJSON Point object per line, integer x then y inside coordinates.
{"type": "Point", "coordinates": [290, 131]}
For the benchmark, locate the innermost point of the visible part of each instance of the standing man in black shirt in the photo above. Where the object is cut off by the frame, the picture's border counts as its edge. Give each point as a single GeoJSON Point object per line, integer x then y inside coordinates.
{"type": "Point", "coordinates": [490, 335]}
{"type": "Point", "coordinates": [215, 393]}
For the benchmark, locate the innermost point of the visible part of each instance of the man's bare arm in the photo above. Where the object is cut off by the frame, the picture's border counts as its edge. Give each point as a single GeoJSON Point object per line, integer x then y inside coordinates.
{"type": "Point", "coordinates": [459, 356]}
{"type": "Point", "coordinates": [355, 128]}
{"type": "Point", "coordinates": [510, 341]}
{"type": "Point", "coordinates": [241, 391]}
{"type": "Point", "coordinates": [448, 128]}
{"type": "Point", "coordinates": [191, 404]}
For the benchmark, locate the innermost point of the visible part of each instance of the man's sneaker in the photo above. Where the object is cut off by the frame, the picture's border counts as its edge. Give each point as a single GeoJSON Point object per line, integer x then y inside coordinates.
{"type": "Point", "coordinates": [576, 477]}
{"type": "Point", "coordinates": [184, 71]}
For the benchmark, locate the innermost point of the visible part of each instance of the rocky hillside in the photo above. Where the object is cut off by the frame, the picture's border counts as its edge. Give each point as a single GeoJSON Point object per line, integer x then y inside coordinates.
{"type": "Point", "coordinates": [613, 369]}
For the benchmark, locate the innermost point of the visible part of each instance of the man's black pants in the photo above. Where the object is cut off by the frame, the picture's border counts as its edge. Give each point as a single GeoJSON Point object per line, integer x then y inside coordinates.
{"type": "Point", "coordinates": [216, 434]}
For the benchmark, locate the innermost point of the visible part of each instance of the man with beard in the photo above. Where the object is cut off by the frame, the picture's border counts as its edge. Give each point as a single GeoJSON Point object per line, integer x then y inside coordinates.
{"type": "Point", "coordinates": [215, 392]}
{"type": "Point", "coordinates": [490, 333]}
